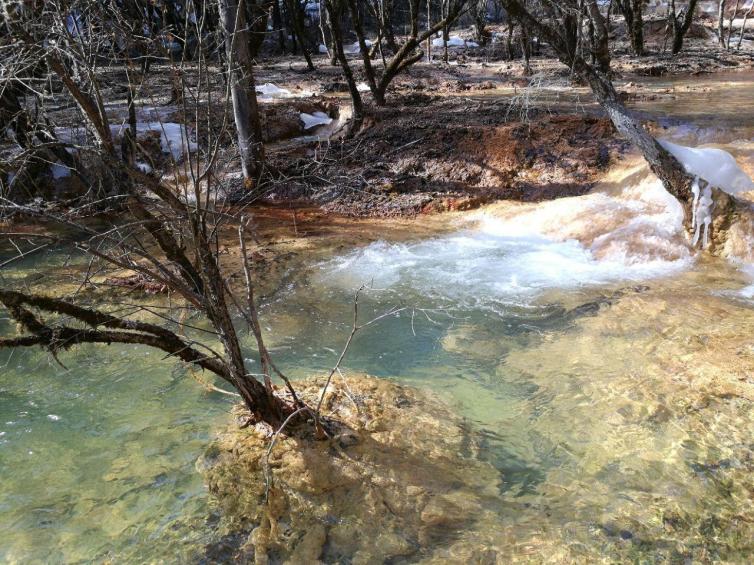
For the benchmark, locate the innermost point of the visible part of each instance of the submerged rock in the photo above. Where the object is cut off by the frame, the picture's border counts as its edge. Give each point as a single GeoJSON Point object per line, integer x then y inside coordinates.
{"type": "Point", "coordinates": [401, 481]}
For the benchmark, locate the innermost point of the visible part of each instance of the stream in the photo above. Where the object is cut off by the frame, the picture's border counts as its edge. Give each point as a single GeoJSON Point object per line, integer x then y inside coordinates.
{"type": "Point", "coordinates": [606, 369]}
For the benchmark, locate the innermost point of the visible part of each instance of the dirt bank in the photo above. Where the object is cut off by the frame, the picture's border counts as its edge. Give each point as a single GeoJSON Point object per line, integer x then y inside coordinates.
{"type": "Point", "coordinates": [429, 154]}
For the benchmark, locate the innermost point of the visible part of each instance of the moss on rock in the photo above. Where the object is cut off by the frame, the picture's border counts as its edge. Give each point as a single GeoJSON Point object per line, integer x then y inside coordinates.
{"type": "Point", "coordinates": [400, 481]}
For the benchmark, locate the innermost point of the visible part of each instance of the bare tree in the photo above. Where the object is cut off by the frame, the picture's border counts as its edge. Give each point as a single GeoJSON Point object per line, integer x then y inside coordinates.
{"type": "Point", "coordinates": [563, 39]}
{"type": "Point", "coordinates": [242, 88]}
{"type": "Point", "coordinates": [681, 23]}
{"type": "Point", "coordinates": [165, 233]}
{"type": "Point", "coordinates": [731, 19]}
{"type": "Point", "coordinates": [409, 52]}
{"type": "Point", "coordinates": [721, 22]}
{"type": "Point", "coordinates": [633, 13]}
{"type": "Point", "coordinates": [747, 14]}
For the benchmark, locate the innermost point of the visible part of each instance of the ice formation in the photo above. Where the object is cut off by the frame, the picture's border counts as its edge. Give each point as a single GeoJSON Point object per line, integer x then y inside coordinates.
{"type": "Point", "coordinates": [354, 48]}
{"type": "Point", "coordinates": [713, 165]}
{"type": "Point", "coordinates": [702, 213]}
{"type": "Point", "coordinates": [454, 41]}
{"type": "Point", "coordinates": [269, 90]}
{"type": "Point", "coordinates": [710, 167]}
{"type": "Point", "coordinates": [315, 119]}
{"type": "Point", "coordinates": [173, 137]}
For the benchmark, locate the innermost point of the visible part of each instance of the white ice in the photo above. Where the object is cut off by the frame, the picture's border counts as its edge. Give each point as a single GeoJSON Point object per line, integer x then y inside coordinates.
{"type": "Point", "coordinates": [454, 41]}
{"type": "Point", "coordinates": [269, 90]}
{"type": "Point", "coordinates": [173, 137]}
{"type": "Point", "coordinates": [713, 165]}
{"type": "Point", "coordinates": [59, 171]}
{"type": "Point", "coordinates": [315, 119]}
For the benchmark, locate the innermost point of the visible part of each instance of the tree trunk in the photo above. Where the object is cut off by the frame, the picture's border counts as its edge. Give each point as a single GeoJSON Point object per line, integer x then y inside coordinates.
{"type": "Point", "coordinates": [743, 26]}
{"type": "Point", "coordinates": [730, 23]}
{"type": "Point", "coordinates": [526, 50]}
{"type": "Point", "coordinates": [680, 30]}
{"type": "Point", "coordinates": [721, 23]}
{"type": "Point", "coordinates": [637, 29]}
{"type": "Point", "coordinates": [296, 17]}
{"type": "Point", "coordinates": [633, 14]}
{"type": "Point", "coordinates": [243, 96]}
{"type": "Point", "coordinates": [333, 13]}
{"type": "Point", "coordinates": [277, 23]}
{"type": "Point", "coordinates": [509, 40]}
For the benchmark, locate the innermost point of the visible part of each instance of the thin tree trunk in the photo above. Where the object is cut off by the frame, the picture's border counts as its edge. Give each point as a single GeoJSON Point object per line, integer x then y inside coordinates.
{"type": "Point", "coordinates": [243, 96]}
{"type": "Point", "coordinates": [296, 18]}
{"type": "Point", "coordinates": [721, 23]}
{"type": "Point", "coordinates": [743, 26]}
{"type": "Point", "coordinates": [277, 23]}
{"type": "Point", "coordinates": [333, 13]}
{"type": "Point", "coordinates": [730, 23]}
{"type": "Point", "coordinates": [680, 30]}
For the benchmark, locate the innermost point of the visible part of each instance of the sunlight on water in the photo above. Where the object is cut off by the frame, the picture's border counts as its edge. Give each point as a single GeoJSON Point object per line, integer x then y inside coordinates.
{"type": "Point", "coordinates": [607, 372]}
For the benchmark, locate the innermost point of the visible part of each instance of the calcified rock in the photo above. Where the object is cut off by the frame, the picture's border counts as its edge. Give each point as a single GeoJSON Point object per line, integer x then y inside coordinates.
{"type": "Point", "coordinates": [401, 475]}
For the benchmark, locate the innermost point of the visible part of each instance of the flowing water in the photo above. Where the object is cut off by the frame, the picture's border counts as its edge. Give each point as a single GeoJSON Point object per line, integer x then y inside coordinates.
{"type": "Point", "coordinates": [607, 369]}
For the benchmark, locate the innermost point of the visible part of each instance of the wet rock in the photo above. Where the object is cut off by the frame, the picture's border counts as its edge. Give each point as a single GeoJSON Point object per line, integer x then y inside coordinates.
{"type": "Point", "coordinates": [369, 506]}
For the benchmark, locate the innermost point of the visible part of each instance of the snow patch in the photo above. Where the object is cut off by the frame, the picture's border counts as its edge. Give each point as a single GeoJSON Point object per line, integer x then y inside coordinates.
{"type": "Point", "coordinates": [315, 119]}
{"type": "Point", "coordinates": [173, 137]}
{"type": "Point", "coordinates": [59, 171]}
{"type": "Point", "coordinates": [355, 48]}
{"type": "Point", "coordinates": [269, 90]}
{"type": "Point", "coordinates": [713, 165]}
{"type": "Point", "coordinates": [145, 168]}
{"type": "Point", "coordinates": [454, 41]}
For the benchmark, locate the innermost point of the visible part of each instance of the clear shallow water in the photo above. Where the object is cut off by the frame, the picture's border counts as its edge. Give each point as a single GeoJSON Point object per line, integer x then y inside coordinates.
{"type": "Point", "coordinates": [607, 372]}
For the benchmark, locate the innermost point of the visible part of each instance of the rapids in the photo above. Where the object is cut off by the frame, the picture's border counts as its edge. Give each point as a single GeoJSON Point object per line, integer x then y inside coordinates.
{"type": "Point", "coordinates": [603, 367]}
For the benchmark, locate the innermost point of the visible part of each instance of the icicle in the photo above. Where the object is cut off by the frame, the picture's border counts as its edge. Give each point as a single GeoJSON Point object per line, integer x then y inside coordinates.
{"type": "Point", "coordinates": [695, 190]}
{"type": "Point", "coordinates": [703, 216]}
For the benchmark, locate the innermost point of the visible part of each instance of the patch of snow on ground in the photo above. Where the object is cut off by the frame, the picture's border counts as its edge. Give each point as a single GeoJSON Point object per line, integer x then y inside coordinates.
{"type": "Point", "coordinates": [453, 42]}
{"type": "Point", "coordinates": [173, 137]}
{"type": "Point", "coordinates": [59, 171]}
{"type": "Point", "coordinates": [315, 119]}
{"type": "Point", "coordinates": [269, 90]}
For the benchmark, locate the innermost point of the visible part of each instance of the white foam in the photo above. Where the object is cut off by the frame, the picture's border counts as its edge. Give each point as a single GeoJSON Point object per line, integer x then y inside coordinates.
{"type": "Point", "coordinates": [513, 255]}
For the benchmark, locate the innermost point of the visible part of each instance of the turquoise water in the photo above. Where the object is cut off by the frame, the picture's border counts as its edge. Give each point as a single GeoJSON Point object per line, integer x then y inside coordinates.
{"type": "Point", "coordinates": [595, 402]}
{"type": "Point", "coordinates": [606, 372]}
